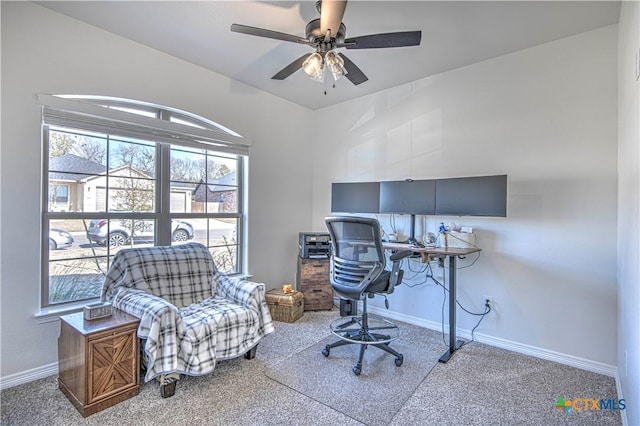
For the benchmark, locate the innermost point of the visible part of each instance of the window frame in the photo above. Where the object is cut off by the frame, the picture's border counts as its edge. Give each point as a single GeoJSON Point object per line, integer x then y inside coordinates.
{"type": "Point", "coordinates": [208, 135]}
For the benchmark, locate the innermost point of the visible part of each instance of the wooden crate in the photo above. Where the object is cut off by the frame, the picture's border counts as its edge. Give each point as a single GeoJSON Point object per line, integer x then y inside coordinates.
{"type": "Point", "coordinates": [313, 282]}
{"type": "Point", "coordinates": [285, 307]}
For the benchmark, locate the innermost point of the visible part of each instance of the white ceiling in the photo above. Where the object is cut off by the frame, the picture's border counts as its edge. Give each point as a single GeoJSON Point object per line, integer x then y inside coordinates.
{"type": "Point", "coordinates": [454, 34]}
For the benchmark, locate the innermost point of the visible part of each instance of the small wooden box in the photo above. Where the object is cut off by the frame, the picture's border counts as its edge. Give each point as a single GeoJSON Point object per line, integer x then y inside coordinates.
{"type": "Point", "coordinates": [285, 307]}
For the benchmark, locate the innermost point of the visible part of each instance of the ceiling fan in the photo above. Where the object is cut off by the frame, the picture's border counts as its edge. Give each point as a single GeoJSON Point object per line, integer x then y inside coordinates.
{"type": "Point", "coordinates": [326, 34]}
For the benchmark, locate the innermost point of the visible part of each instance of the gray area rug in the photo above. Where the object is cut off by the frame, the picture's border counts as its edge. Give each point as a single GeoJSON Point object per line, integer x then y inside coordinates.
{"type": "Point", "coordinates": [377, 394]}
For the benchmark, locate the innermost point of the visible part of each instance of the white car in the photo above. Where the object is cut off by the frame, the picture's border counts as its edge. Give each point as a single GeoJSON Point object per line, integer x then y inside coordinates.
{"type": "Point", "coordinates": [59, 239]}
{"type": "Point", "coordinates": [120, 233]}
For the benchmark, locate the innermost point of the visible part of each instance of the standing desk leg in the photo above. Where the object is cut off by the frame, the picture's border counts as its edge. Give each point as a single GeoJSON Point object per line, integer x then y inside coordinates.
{"type": "Point", "coordinates": [453, 343]}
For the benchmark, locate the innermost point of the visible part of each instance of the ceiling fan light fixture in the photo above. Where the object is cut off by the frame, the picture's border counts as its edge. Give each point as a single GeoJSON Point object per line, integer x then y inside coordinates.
{"type": "Point", "coordinates": [325, 34]}
{"type": "Point", "coordinates": [335, 64]}
{"type": "Point", "coordinates": [313, 66]}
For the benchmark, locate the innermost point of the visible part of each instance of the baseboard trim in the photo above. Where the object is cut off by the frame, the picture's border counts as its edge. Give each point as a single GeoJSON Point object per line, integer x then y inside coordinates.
{"type": "Point", "coordinates": [570, 360]}
{"type": "Point", "coordinates": [623, 413]}
{"type": "Point", "coordinates": [28, 376]}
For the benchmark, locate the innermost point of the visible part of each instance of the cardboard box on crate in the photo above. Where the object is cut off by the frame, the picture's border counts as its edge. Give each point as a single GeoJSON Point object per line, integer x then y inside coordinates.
{"type": "Point", "coordinates": [285, 307]}
{"type": "Point", "coordinates": [461, 239]}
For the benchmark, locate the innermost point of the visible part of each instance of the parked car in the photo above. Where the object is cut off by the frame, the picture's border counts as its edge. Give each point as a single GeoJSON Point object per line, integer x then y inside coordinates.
{"type": "Point", "coordinates": [59, 239]}
{"type": "Point", "coordinates": [120, 233]}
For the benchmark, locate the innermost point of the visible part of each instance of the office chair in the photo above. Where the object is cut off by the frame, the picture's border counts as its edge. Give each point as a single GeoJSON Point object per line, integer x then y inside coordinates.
{"type": "Point", "coordinates": [357, 272]}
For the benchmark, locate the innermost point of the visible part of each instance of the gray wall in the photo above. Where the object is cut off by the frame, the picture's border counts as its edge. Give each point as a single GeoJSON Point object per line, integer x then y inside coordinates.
{"type": "Point", "coordinates": [629, 209]}
{"type": "Point", "coordinates": [546, 117]}
{"type": "Point", "coordinates": [43, 51]}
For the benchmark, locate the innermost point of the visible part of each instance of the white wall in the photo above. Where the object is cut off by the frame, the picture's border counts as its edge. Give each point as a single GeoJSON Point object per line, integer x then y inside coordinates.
{"type": "Point", "coordinates": [546, 116]}
{"type": "Point", "coordinates": [629, 209]}
{"type": "Point", "coordinates": [43, 51]}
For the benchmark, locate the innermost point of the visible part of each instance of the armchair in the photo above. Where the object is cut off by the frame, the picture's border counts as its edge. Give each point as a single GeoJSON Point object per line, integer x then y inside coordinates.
{"type": "Point", "coordinates": [191, 315]}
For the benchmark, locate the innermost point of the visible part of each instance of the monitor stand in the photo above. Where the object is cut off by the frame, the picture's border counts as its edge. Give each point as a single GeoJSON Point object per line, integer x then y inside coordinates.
{"type": "Point", "coordinates": [412, 236]}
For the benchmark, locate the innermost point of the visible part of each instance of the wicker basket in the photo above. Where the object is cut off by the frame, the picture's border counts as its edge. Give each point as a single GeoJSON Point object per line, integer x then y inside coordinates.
{"type": "Point", "coordinates": [285, 307]}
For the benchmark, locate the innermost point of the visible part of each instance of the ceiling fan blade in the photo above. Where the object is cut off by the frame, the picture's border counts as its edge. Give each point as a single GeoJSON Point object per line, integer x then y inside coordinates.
{"type": "Point", "coordinates": [354, 74]}
{"type": "Point", "coordinates": [331, 14]}
{"type": "Point", "coordinates": [261, 32]}
{"type": "Point", "coordinates": [380, 41]}
{"type": "Point", "coordinates": [291, 68]}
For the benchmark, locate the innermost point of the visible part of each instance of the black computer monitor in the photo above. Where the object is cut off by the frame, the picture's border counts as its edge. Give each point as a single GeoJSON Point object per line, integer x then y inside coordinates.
{"type": "Point", "coordinates": [408, 197]}
{"type": "Point", "coordinates": [472, 196]}
{"type": "Point", "coordinates": [355, 197]}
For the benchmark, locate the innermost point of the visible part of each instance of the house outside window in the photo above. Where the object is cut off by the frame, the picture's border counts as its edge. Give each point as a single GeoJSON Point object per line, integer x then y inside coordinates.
{"type": "Point", "coordinates": [58, 197]}
{"type": "Point", "coordinates": [105, 190]}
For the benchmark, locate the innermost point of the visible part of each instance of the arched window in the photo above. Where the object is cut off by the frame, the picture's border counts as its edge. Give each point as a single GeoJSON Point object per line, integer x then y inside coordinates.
{"type": "Point", "coordinates": [121, 173]}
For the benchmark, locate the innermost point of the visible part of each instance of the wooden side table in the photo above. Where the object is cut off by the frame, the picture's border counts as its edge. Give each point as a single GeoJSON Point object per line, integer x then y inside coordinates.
{"type": "Point", "coordinates": [98, 360]}
{"type": "Point", "coordinates": [313, 282]}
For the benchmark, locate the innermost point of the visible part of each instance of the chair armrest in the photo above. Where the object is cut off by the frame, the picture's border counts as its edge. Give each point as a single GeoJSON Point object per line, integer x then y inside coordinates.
{"type": "Point", "coordinates": [396, 273]}
{"type": "Point", "coordinates": [248, 294]}
{"type": "Point", "coordinates": [160, 325]}
{"type": "Point", "coordinates": [140, 303]}
{"type": "Point", "coordinates": [399, 255]}
{"type": "Point", "coordinates": [242, 292]}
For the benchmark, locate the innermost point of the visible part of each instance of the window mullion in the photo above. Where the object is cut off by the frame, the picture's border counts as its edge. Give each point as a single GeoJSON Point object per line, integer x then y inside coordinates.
{"type": "Point", "coordinates": [163, 190]}
{"type": "Point", "coordinates": [163, 195]}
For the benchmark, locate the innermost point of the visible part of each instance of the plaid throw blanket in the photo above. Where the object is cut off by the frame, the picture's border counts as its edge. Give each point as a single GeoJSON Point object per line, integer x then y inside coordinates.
{"type": "Point", "coordinates": [190, 314]}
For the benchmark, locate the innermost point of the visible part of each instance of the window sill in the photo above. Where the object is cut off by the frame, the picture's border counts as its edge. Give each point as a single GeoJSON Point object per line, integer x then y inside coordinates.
{"type": "Point", "coordinates": [242, 276]}
{"type": "Point", "coordinates": [52, 314]}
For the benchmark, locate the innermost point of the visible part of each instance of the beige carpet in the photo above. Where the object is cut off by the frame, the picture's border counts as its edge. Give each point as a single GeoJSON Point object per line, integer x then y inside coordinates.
{"type": "Point", "coordinates": [481, 385]}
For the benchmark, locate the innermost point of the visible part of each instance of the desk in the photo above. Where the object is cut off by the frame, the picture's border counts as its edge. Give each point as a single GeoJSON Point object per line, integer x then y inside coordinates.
{"type": "Point", "coordinates": [452, 254]}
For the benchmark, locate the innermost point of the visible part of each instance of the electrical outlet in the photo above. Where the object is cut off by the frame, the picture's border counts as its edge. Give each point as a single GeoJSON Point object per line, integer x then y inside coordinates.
{"type": "Point", "coordinates": [489, 299]}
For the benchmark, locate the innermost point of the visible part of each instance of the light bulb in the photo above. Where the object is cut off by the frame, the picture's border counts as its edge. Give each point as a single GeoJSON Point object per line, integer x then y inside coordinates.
{"type": "Point", "coordinates": [313, 67]}
{"type": "Point", "coordinates": [335, 64]}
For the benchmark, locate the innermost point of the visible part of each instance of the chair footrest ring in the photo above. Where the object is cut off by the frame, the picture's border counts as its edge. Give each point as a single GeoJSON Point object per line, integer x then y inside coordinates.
{"type": "Point", "coordinates": [378, 330]}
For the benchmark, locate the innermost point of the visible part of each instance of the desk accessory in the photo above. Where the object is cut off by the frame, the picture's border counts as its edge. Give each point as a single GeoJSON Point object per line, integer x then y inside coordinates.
{"type": "Point", "coordinates": [429, 239]}
{"type": "Point", "coordinates": [287, 288]}
{"type": "Point", "coordinates": [96, 310]}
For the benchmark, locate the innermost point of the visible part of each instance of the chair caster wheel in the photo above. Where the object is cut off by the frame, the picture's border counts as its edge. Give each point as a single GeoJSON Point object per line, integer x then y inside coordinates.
{"type": "Point", "coordinates": [356, 370]}
{"type": "Point", "coordinates": [399, 361]}
{"type": "Point", "coordinates": [325, 351]}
